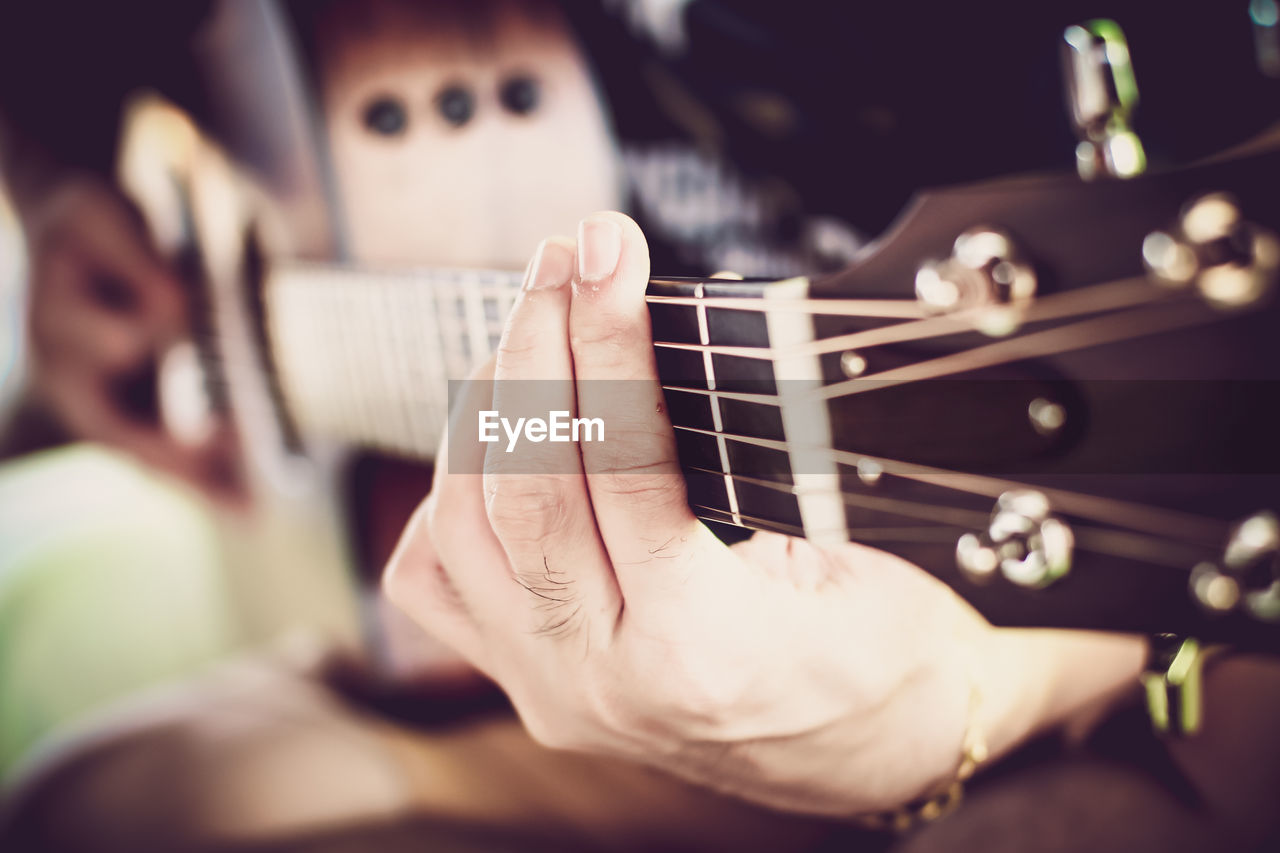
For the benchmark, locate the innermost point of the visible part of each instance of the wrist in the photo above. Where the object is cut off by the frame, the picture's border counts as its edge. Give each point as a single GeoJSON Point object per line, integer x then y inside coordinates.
{"type": "Point", "coordinates": [1034, 680]}
{"type": "Point", "coordinates": [1012, 684]}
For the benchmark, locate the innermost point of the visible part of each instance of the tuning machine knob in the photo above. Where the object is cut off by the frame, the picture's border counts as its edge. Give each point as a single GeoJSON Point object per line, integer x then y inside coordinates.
{"type": "Point", "coordinates": [1023, 541]}
{"type": "Point", "coordinates": [987, 272]}
{"type": "Point", "coordinates": [1248, 575]}
{"type": "Point", "coordinates": [1265, 15]}
{"type": "Point", "coordinates": [1230, 261]}
{"type": "Point", "coordinates": [1101, 95]}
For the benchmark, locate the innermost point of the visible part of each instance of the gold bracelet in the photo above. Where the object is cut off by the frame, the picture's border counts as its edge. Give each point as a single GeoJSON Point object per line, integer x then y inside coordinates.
{"type": "Point", "coordinates": [931, 807]}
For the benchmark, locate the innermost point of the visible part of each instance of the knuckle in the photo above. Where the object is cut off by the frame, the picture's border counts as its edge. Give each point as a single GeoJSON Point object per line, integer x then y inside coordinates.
{"type": "Point", "coordinates": [606, 337]}
{"type": "Point", "coordinates": [515, 348]}
{"type": "Point", "coordinates": [638, 474]}
{"type": "Point", "coordinates": [524, 508]}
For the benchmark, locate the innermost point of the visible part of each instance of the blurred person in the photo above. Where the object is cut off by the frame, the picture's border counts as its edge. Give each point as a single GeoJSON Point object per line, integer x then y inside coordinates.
{"type": "Point", "coordinates": [104, 304]}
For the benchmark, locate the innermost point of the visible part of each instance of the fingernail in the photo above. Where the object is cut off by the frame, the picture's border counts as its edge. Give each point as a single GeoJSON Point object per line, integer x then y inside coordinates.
{"type": "Point", "coordinates": [599, 245]}
{"type": "Point", "coordinates": [552, 265]}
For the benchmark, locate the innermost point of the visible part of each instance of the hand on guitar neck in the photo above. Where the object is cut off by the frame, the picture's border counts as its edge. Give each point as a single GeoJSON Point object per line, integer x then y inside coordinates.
{"type": "Point", "coordinates": [795, 675]}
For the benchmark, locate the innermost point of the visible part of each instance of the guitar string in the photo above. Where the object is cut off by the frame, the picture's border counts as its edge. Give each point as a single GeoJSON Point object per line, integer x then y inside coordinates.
{"type": "Point", "coordinates": [1111, 542]}
{"type": "Point", "coordinates": [904, 309]}
{"type": "Point", "coordinates": [999, 349]}
{"type": "Point", "coordinates": [1097, 298]}
{"type": "Point", "coordinates": [1168, 523]}
{"type": "Point", "coordinates": [1112, 328]}
{"type": "Point", "coordinates": [1120, 326]}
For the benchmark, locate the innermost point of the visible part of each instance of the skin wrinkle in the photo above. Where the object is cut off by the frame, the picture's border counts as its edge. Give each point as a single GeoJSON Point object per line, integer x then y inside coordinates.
{"type": "Point", "coordinates": [555, 626]}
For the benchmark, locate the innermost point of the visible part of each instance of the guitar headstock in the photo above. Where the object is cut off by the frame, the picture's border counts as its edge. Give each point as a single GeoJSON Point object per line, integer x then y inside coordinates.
{"type": "Point", "coordinates": [1058, 396]}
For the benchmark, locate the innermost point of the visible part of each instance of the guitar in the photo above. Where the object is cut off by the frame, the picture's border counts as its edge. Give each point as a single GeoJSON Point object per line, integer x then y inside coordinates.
{"type": "Point", "coordinates": [1057, 396]}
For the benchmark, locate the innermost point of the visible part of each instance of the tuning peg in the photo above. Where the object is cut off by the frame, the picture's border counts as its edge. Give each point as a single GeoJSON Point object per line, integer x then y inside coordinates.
{"type": "Point", "coordinates": [1248, 574]}
{"type": "Point", "coordinates": [1232, 261]}
{"type": "Point", "coordinates": [987, 272]}
{"type": "Point", "coordinates": [1023, 540]}
{"type": "Point", "coordinates": [1265, 15]}
{"type": "Point", "coordinates": [1102, 94]}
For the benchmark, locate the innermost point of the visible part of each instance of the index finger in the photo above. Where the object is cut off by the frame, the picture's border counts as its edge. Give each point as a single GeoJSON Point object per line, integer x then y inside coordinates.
{"type": "Point", "coordinates": [637, 489]}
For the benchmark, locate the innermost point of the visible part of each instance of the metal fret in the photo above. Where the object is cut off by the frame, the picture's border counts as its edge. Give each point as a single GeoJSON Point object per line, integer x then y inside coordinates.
{"type": "Point", "coordinates": [708, 367]}
{"type": "Point", "coordinates": [477, 331]}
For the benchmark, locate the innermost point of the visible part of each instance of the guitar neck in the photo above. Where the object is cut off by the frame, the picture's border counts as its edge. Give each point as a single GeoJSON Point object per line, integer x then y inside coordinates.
{"type": "Point", "coordinates": [365, 357]}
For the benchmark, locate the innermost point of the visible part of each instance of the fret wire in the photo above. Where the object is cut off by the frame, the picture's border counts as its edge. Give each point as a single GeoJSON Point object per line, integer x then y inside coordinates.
{"type": "Point", "coordinates": [402, 363]}
{"type": "Point", "coordinates": [387, 422]}
{"type": "Point", "coordinates": [372, 377]}
{"type": "Point", "coordinates": [399, 365]}
{"type": "Point", "coordinates": [477, 328]}
{"type": "Point", "coordinates": [379, 382]}
{"type": "Point", "coordinates": [460, 366]}
{"type": "Point", "coordinates": [704, 335]}
{"type": "Point", "coordinates": [346, 421]}
{"type": "Point", "coordinates": [359, 424]}
{"type": "Point", "coordinates": [435, 358]}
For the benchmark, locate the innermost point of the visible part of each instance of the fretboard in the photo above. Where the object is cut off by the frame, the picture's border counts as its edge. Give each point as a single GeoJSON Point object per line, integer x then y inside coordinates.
{"type": "Point", "coordinates": [366, 358]}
